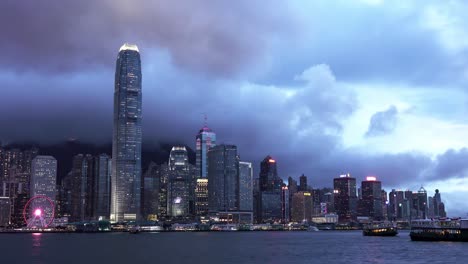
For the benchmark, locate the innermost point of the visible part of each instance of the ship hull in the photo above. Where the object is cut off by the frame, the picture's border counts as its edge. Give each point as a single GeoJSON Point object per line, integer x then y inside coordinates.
{"type": "Point", "coordinates": [385, 232]}
{"type": "Point", "coordinates": [452, 235]}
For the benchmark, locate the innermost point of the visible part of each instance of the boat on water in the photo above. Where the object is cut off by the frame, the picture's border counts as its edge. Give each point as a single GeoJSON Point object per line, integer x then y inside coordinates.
{"type": "Point", "coordinates": [443, 229]}
{"type": "Point", "coordinates": [380, 229]}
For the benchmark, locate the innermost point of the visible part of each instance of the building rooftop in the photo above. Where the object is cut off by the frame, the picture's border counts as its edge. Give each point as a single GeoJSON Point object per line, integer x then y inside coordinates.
{"type": "Point", "coordinates": [128, 46]}
{"type": "Point", "coordinates": [205, 128]}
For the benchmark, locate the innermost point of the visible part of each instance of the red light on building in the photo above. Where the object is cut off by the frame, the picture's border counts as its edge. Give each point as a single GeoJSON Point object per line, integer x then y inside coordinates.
{"type": "Point", "coordinates": [271, 161]}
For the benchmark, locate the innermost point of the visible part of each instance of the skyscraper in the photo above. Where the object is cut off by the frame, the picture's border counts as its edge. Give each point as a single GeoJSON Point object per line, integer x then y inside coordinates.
{"type": "Point", "coordinates": [223, 178]}
{"type": "Point", "coordinates": [150, 198]}
{"type": "Point", "coordinates": [82, 169]}
{"type": "Point", "coordinates": [102, 178]}
{"type": "Point", "coordinates": [179, 183]}
{"type": "Point", "coordinates": [201, 197]}
{"type": "Point", "coordinates": [245, 186]}
{"type": "Point", "coordinates": [303, 183]}
{"type": "Point", "coordinates": [269, 179]}
{"type": "Point", "coordinates": [371, 202]}
{"type": "Point", "coordinates": [127, 136]}
{"type": "Point", "coordinates": [269, 200]}
{"type": "Point", "coordinates": [345, 198]}
{"type": "Point", "coordinates": [422, 203]}
{"type": "Point", "coordinates": [44, 177]}
{"type": "Point", "coordinates": [205, 140]}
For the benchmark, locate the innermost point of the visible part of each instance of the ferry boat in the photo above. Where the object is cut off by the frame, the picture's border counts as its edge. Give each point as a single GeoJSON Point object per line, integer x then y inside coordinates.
{"type": "Point", "coordinates": [380, 229]}
{"type": "Point", "coordinates": [444, 229]}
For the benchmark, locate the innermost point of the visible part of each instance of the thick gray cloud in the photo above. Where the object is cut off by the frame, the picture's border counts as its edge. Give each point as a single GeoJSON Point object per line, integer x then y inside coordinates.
{"type": "Point", "coordinates": [451, 164]}
{"type": "Point", "coordinates": [383, 123]}
{"type": "Point", "coordinates": [216, 38]}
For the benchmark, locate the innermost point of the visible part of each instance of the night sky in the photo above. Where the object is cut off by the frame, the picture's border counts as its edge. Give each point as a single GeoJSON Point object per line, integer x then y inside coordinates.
{"type": "Point", "coordinates": [369, 87]}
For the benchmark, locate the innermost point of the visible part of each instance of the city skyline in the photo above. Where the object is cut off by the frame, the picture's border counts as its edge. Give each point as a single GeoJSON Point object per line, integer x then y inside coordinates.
{"type": "Point", "coordinates": [398, 114]}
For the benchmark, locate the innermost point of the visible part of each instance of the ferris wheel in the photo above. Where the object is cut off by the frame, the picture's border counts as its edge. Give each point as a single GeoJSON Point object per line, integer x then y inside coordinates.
{"type": "Point", "coordinates": [39, 212]}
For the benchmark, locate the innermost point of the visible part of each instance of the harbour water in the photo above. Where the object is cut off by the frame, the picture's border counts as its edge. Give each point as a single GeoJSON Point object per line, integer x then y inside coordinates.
{"type": "Point", "coordinates": [226, 247]}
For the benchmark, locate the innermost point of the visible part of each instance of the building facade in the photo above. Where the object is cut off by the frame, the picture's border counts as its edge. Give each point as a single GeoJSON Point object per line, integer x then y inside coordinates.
{"type": "Point", "coordinates": [245, 186]}
{"type": "Point", "coordinates": [44, 177]}
{"type": "Point", "coordinates": [301, 209]}
{"type": "Point", "coordinates": [102, 187]}
{"type": "Point", "coordinates": [205, 140]}
{"type": "Point", "coordinates": [371, 201]}
{"type": "Point", "coordinates": [223, 178]}
{"type": "Point", "coordinates": [345, 198]}
{"type": "Point", "coordinates": [178, 191]}
{"type": "Point", "coordinates": [127, 136]}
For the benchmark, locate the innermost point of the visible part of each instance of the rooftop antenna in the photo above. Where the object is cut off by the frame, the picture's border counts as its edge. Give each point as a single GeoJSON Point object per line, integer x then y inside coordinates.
{"type": "Point", "coordinates": [206, 119]}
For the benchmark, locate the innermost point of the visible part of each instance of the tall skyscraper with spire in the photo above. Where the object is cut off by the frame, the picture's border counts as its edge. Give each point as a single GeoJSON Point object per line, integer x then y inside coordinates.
{"type": "Point", "coordinates": [205, 140]}
{"type": "Point", "coordinates": [127, 136]}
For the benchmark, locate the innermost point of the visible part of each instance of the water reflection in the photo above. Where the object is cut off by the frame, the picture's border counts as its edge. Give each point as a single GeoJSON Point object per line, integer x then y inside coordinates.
{"type": "Point", "coordinates": [36, 245]}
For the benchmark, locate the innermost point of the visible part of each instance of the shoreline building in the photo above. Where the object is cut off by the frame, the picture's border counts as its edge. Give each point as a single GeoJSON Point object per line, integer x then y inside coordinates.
{"type": "Point", "coordinates": [178, 193]}
{"type": "Point", "coordinates": [127, 136]}
{"type": "Point", "coordinates": [371, 199]}
{"type": "Point", "coordinates": [269, 201]}
{"type": "Point", "coordinates": [345, 198]}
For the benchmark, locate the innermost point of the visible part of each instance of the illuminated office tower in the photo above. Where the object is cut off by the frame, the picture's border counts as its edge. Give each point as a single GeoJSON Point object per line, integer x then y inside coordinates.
{"type": "Point", "coordinates": [345, 198]}
{"type": "Point", "coordinates": [178, 192]}
{"type": "Point", "coordinates": [205, 140]}
{"type": "Point", "coordinates": [371, 202]}
{"type": "Point", "coordinates": [127, 136]}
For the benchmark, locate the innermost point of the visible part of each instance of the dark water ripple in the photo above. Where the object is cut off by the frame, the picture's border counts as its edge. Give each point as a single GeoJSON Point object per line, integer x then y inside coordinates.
{"type": "Point", "coordinates": [220, 248]}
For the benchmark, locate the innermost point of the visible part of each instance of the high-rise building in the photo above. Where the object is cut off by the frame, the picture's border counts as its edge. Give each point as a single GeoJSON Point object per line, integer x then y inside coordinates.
{"type": "Point", "coordinates": [205, 140]}
{"type": "Point", "coordinates": [4, 211]}
{"type": "Point", "coordinates": [245, 186]}
{"type": "Point", "coordinates": [163, 171]}
{"type": "Point", "coordinates": [371, 201]}
{"type": "Point", "coordinates": [178, 190]}
{"type": "Point", "coordinates": [269, 179]}
{"type": "Point", "coordinates": [345, 198]}
{"type": "Point", "coordinates": [223, 178]}
{"type": "Point", "coordinates": [269, 200]}
{"type": "Point", "coordinates": [285, 205]}
{"type": "Point", "coordinates": [303, 183]}
{"type": "Point", "coordinates": [201, 196]}
{"type": "Point", "coordinates": [127, 136]}
{"type": "Point", "coordinates": [44, 177]}
{"type": "Point", "coordinates": [65, 206]}
{"type": "Point", "coordinates": [102, 187]}
{"type": "Point", "coordinates": [422, 203]}
{"type": "Point", "coordinates": [301, 208]}
{"type": "Point", "coordinates": [150, 198]}
{"type": "Point", "coordinates": [82, 191]}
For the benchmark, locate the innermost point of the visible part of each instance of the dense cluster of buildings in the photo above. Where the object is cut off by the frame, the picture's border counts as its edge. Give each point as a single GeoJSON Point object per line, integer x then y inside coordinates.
{"type": "Point", "coordinates": [220, 187]}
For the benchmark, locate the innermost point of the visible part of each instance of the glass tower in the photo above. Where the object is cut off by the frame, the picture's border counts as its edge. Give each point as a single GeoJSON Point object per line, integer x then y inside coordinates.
{"type": "Point", "coordinates": [245, 186]}
{"type": "Point", "coordinates": [126, 143]}
{"type": "Point", "coordinates": [179, 183]}
{"type": "Point", "coordinates": [206, 139]}
{"type": "Point", "coordinates": [223, 178]}
{"type": "Point", "coordinates": [102, 167]}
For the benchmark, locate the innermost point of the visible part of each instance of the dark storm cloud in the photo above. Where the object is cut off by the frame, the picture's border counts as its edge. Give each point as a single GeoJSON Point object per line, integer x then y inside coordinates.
{"type": "Point", "coordinates": [217, 37]}
{"type": "Point", "coordinates": [383, 123]}
{"type": "Point", "coordinates": [451, 164]}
